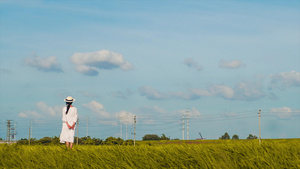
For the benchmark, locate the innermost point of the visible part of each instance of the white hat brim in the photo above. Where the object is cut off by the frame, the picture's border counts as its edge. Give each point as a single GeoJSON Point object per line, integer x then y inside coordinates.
{"type": "Point", "coordinates": [69, 100]}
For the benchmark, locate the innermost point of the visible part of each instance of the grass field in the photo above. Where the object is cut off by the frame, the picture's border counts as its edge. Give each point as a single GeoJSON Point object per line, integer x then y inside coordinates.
{"type": "Point", "coordinates": [158, 154]}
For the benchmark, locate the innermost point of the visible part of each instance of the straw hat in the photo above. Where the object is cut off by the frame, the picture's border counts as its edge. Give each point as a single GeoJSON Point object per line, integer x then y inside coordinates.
{"type": "Point", "coordinates": [69, 99]}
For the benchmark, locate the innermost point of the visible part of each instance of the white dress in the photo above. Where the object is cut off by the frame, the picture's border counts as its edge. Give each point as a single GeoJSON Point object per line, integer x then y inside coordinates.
{"type": "Point", "coordinates": [67, 135]}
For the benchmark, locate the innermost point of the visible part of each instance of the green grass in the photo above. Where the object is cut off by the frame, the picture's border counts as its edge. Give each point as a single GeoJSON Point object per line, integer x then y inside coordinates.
{"type": "Point", "coordinates": [161, 154]}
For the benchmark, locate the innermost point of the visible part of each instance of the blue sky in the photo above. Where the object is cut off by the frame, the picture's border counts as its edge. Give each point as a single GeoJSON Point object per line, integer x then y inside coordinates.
{"type": "Point", "coordinates": [220, 60]}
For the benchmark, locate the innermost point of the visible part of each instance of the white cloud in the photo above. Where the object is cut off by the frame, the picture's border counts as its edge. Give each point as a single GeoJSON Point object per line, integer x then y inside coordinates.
{"type": "Point", "coordinates": [125, 117]}
{"type": "Point", "coordinates": [152, 94]}
{"type": "Point", "coordinates": [46, 109]}
{"type": "Point", "coordinates": [242, 91]}
{"type": "Point", "coordinates": [151, 110]}
{"type": "Point", "coordinates": [222, 91]}
{"type": "Point", "coordinates": [42, 111]}
{"type": "Point", "coordinates": [190, 62]}
{"type": "Point", "coordinates": [90, 63]}
{"type": "Point", "coordinates": [233, 64]}
{"type": "Point", "coordinates": [23, 115]}
{"type": "Point", "coordinates": [285, 79]}
{"type": "Point", "coordinates": [284, 112]}
{"type": "Point", "coordinates": [87, 70]}
{"type": "Point", "coordinates": [216, 90]}
{"type": "Point", "coordinates": [246, 91]}
{"type": "Point", "coordinates": [184, 95]}
{"type": "Point", "coordinates": [49, 64]}
{"type": "Point", "coordinates": [193, 112]}
{"type": "Point", "coordinates": [97, 108]}
{"type": "Point", "coordinates": [30, 114]}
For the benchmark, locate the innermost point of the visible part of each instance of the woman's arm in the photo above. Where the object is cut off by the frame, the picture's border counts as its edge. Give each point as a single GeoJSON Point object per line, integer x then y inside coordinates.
{"type": "Point", "coordinates": [74, 118]}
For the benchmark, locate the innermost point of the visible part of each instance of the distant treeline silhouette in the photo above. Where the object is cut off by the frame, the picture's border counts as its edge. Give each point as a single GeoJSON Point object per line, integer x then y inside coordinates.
{"type": "Point", "coordinates": [81, 141]}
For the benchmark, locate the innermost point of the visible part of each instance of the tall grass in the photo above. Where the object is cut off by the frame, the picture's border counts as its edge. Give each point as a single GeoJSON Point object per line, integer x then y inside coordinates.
{"type": "Point", "coordinates": [218, 154]}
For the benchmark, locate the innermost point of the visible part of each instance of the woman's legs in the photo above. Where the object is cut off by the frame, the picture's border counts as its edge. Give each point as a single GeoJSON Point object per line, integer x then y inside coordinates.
{"type": "Point", "coordinates": [69, 143]}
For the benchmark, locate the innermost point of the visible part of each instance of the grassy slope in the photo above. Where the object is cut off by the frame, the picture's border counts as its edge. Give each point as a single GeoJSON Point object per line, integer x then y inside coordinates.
{"type": "Point", "coordinates": [164, 154]}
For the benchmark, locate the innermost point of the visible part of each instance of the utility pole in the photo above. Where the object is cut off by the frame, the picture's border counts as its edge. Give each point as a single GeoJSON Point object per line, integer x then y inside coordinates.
{"type": "Point", "coordinates": [29, 137]}
{"type": "Point", "coordinates": [134, 129]}
{"type": "Point", "coordinates": [182, 126]}
{"type": "Point", "coordinates": [121, 130]}
{"type": "Point", "coordinates": [187, 125]}
{"type": "Point", "coordinates": [259, 115]}
{"type": "Point", "coordinates": [30, 131]}
{"type": "Point", "coordinates": [31, 126]}
{"type": "Point", "coordinates": [126, 131]}
{"type": "Point", "coordinates": [119, 120]}
{"type": "Point", "coordinates": [87, 126]}
{"type": "Point", "coordinates": [77, 130]}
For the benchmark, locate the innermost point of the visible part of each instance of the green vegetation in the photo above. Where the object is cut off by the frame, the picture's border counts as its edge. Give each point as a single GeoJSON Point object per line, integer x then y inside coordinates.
{"type": "Point", "coordinates": [81, 141]}
{"type": "Point", "coordinates": [283, 153]}
{"type": "Point", "coordinates": [155, 137]}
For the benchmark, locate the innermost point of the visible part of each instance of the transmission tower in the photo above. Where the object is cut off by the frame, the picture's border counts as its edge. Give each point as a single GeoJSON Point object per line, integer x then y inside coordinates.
{"type": "Point", "coordinates": [14, 132]}
{"type": "Point", "coordinates": [11, 131]}
{"type": "Point", "coordinates": [134, 119]}
{"type": "Point", "coordinates": [182, 126]}
{"type": "Point", "coordinates": [259, 115]}
{"type": "Point", "coordinates": [30, 128]}
{"type": "Point", "coordinates": [187, 126]}
{"type": "Point", "coordinates": [119, 120]}
{"type": "Point", "coordinates": [126, 131]}
{"type": "Point", "coordinates": [87, 126]}
{"type": "Point", "coordinates": [8, 124]}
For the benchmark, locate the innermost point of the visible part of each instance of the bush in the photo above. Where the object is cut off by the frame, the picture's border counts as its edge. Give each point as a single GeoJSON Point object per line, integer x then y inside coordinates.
{"type": "Point", "coordinates": [151, 137]}
{"type": "Point", "coordinates": [113, 141]}
{"type": "Point", "coordinates": [252, 136]}
{"type": "Point", "coordinates": [225, 136]}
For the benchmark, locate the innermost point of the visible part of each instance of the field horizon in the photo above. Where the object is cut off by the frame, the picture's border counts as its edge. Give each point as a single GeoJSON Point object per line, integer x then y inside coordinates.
{"type": "Point", "coordinates": [272, 153]}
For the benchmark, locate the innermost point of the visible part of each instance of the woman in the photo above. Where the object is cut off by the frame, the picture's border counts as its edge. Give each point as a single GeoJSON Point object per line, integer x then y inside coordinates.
{"type": "Point", "coordinates": [69, 118]}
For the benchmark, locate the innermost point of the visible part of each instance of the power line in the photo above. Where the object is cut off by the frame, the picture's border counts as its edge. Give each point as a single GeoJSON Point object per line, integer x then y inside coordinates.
{"type": "Point", "coordinates": [102, 126]}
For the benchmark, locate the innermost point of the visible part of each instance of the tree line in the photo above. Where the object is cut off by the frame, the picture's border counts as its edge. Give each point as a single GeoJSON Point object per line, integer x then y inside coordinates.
{"type": "Point", "coordinates": [226, 136]}
{"type": "Point", "coordinates": [110, 140]}
{"type": "Point", "coordinates": [81, 141]}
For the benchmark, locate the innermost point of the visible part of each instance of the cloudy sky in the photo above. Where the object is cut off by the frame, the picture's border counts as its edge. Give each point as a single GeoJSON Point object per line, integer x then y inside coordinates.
{"type": "Point", "coordinates": [220, 62]}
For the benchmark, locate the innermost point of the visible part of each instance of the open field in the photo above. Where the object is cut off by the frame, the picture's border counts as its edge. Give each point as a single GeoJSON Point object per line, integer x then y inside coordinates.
{"type": "Point", "coordinates": [283, 153]}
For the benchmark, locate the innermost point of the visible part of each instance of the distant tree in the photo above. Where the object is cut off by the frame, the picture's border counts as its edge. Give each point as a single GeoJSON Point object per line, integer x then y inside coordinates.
{"type": "Point", "coordinates": [163, 137]}
{"type": "Point", "coordinates": [128, 142]}
{"type": "Point", "coordinates": [97, 141]}
{"type": "Point", "coordinates": [89, 141]}
{"type": "Point", "coordinates": [235, 137]}
{"type": "Point", "coordinates": [45, 140]}
{"type": "Point", "coordinates": [0, 138]}
{"type": "Point", "coordinates": [55, 140]}
{"type": "Point", "coordinates": [151, 137]}
{"type": "Point", "coordinates": [113, 141]}
{"type": "Point", "coordinates": [23, 141]}
{"type": "Point", "coordinates": [225, 136]}
{"type": "Point", "coordinates": [252, 136]}
{"type": "Point", "coordinates": [82, 140]}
